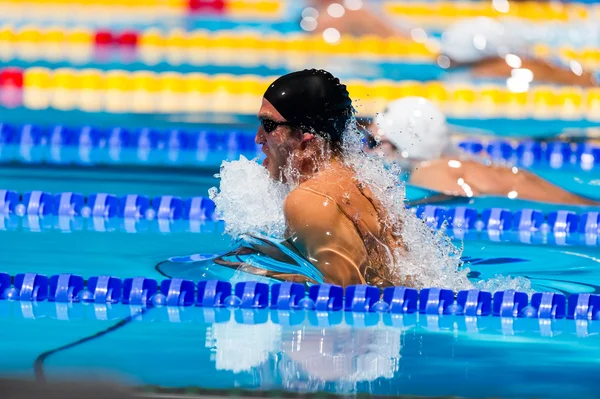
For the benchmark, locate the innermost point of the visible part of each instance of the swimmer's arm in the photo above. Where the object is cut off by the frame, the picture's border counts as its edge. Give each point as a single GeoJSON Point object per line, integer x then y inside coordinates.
{"type": "Point", "coordinates": [326, 237]}
{"type": "Point", "coordinates": [475, 179]}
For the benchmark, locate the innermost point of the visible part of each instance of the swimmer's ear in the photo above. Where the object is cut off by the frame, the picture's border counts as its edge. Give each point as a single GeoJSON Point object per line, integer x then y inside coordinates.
{"type": "Point", "coordinates": [306, 137]}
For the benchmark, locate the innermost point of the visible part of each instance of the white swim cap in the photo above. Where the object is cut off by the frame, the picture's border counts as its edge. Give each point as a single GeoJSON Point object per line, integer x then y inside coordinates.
{"type": "Point", "coordinates": [474, 39]}
{"type": "Point", "coordinates": [416, 126]}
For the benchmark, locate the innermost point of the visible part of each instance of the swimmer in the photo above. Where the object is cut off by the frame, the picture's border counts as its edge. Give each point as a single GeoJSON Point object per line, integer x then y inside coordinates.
{"type": "Point", "coordinates": [357, 19]}
{"type": "Point", "coordinates": [413, 131]}
{"type": "Point", "coordinates": [332, 219]}
{"type": "Point", "coordinates": [491, 48]}
{"type": "Point", "coordinates": [478, 45]}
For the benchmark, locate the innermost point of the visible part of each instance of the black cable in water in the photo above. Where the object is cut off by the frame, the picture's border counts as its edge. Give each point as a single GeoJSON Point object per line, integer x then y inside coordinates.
{"type": "Point", "coordinates": [159, 271]}
{"type": "Point", "coordinates": [38, 364]}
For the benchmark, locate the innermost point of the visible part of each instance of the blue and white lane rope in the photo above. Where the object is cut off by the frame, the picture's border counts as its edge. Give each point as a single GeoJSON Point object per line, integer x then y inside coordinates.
{"type": "Point", "coordinates": [146, 292]}
{"type": "Point", "coordinates": [169, 207]}
{"type": "Point", "coordinates": [552, 154]}
{"type": "Point", "coordinates": [37, 211]}
{"type": "Point", "coordinates": [29, 140]}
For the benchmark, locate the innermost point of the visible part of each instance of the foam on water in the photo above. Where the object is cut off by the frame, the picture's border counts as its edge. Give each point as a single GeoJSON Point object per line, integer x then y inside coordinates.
{"type": "Point", "coordinates": [249, 201]}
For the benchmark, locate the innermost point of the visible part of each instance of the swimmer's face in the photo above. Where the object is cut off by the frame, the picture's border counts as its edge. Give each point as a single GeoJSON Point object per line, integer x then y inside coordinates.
{"type": "Point", "coordinates": [384, 147]}
{"type": "Point", "coordinates": [278, 144]}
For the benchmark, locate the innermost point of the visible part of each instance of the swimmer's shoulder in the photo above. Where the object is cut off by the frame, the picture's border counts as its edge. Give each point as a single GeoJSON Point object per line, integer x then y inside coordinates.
{"type": "Point", "coordinates": [305, 210]}
{"type": "Point", "coordinates": [335, 183]}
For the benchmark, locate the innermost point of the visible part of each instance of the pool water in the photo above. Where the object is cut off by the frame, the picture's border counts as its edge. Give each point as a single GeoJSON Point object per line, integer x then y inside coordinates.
{"type": "Point", "coordinates": [269, 349]}
{"type": "Point", "coordinates": [306, 351]}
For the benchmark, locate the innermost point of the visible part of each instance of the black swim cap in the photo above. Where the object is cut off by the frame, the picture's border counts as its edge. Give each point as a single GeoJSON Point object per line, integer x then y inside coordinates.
{"type": "Point", "coordinates": [312, 99]}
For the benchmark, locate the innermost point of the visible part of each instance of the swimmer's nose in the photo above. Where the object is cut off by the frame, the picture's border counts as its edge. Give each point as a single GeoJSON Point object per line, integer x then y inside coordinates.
{"type": "Point", "coordinates": [260, 137]}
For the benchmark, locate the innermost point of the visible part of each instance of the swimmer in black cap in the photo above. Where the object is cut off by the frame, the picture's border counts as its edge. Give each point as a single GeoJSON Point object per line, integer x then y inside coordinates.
{"type": "Point", "coordinates": [333, 220]}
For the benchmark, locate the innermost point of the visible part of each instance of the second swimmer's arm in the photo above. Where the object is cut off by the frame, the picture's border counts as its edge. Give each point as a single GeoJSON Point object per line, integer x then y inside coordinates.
{"type": "Point", "coordinates": [326, 237]}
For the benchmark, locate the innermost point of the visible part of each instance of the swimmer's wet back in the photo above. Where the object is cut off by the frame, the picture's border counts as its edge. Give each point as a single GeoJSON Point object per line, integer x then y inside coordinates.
{"type": "Point", "coordinates": [336, 222]}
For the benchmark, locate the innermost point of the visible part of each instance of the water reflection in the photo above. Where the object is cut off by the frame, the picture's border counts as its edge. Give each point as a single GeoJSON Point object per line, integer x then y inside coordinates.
{"type": "Point", "coordinates": [307, 358]}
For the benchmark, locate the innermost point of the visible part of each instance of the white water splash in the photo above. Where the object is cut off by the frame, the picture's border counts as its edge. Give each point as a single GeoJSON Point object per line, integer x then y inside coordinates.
{"type": "Point", "coordinates": [432, 260]}
{"type": "Point", "coordinates": [249, 201]}
{"type": "Point", "coordinates": [503, 283]}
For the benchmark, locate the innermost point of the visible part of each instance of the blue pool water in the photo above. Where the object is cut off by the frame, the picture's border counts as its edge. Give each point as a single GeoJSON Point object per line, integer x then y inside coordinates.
{"type": "Point", "coordinates": [339, 352]}
{"type": "Point", "coordinates": [273, 349]}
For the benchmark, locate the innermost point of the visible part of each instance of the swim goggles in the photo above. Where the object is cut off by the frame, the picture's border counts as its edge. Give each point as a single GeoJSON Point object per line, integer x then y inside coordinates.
{"type": "Point", "coordinates": [270, 125]}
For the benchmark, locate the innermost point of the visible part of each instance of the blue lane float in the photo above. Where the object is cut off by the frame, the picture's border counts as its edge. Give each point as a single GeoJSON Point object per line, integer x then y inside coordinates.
{"type": "Point", "coordinates": [146, 292]}
{"type": "Point", "coordinates": [38, 211]}
{"type": "Point", "coordinates": [148, 138]}
{"type": "Point", "coordinates": [202, 208]}
{"type": "Point", "coordinates": [555, 154]}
